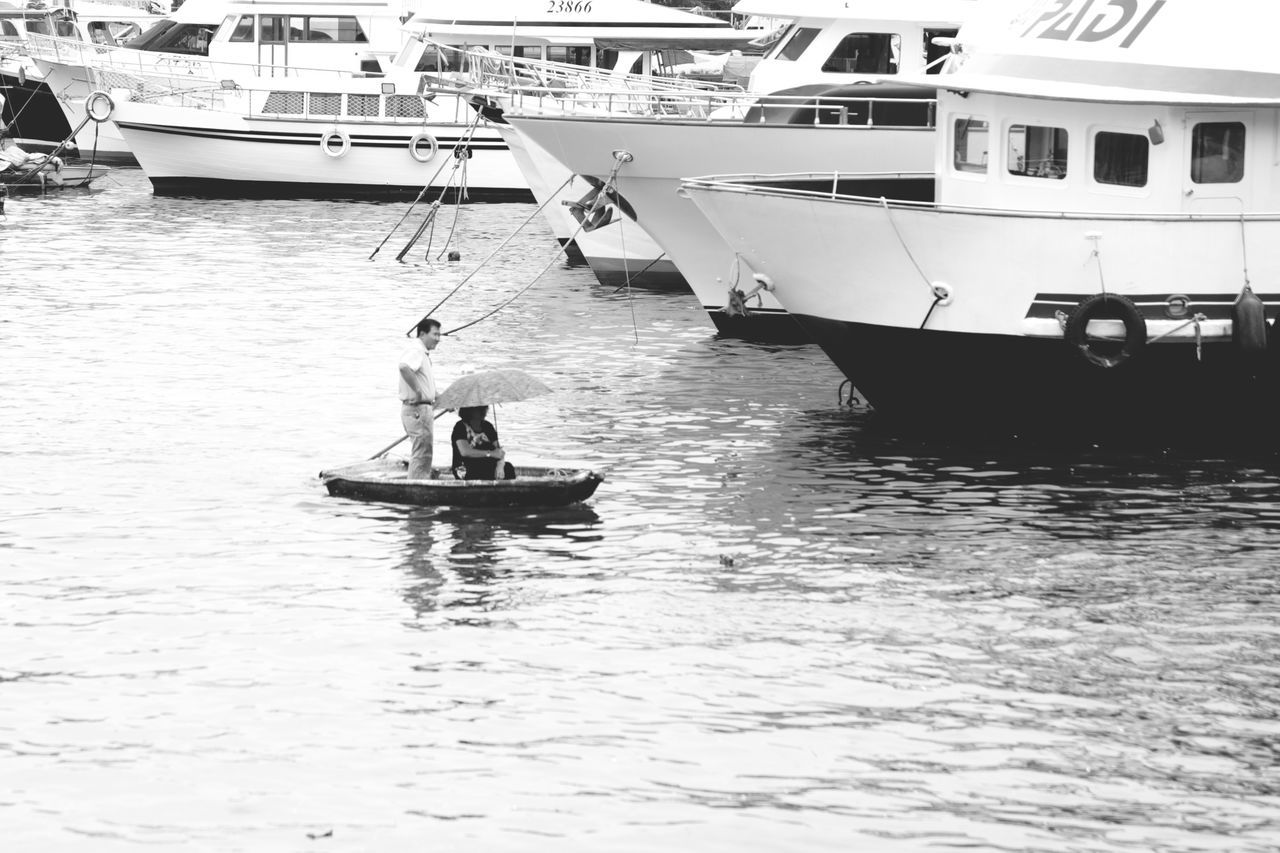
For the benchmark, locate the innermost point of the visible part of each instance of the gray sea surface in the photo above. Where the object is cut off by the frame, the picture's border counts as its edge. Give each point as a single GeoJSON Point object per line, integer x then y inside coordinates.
{"type": "Point", "coordinates": [779, 625]}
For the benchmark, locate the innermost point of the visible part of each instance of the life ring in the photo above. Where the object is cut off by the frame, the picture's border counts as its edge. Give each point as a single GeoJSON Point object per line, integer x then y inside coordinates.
{"type": "Point", "coordinates": [418, 139]}
{"type": "Point", "coordinates": [99, 106]}
{"type": "Point", "coordinates": [341, 137]}
{"type": "Point", "coordinates": [1106, 306]}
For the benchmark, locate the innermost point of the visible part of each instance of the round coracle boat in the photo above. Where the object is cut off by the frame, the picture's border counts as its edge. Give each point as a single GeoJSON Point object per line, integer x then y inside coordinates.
{"type": "Point", "coordinates": [384, 479]}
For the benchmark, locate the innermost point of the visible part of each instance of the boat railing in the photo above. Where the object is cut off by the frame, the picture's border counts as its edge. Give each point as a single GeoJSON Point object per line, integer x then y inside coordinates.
{"type": "Point", "coordinates": [740, 108]}
{"type": "Point", "coordinates": [834, 186]}
{"type": "Point", "coordinates": [386, 103]}
{"type": "Point", "coordinates": [480, 68]}
{"type": "Point", "coordinates": [525, 85]}
{"type": "Point", "coordinates": [74, 52]}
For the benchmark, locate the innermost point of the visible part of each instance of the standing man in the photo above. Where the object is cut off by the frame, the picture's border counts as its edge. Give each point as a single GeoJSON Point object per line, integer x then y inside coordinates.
{"type": "Point", "coordinates": [418, 395]}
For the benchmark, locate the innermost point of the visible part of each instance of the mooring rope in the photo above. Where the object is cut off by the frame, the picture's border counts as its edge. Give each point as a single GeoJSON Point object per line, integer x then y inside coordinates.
{"type": "Point", "coordinates": [638, 275]}
{"type": "Point", "coordinates": [501, 245]}
{"type": "Point", "coordinates": [464, 140]}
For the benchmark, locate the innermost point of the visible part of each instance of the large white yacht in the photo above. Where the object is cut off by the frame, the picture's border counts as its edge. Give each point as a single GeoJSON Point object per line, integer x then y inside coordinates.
{"type": "Point", "coordinates": [361, 133]}
{"type": "Point", "coordinates": [215, 40]}
{"type": "Point", "coordinates": [831, 73]}
{"type": "Point", "coordinates": [1104, 247]}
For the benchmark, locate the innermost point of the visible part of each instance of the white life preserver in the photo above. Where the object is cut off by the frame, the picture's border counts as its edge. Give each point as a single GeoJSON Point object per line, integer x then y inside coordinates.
{"type": "Point", "coordinates": [99, 106]}
{"type": "Point", "coordinates": [341, 137]}
{"type": "Point", "coordinates": [418, 139]}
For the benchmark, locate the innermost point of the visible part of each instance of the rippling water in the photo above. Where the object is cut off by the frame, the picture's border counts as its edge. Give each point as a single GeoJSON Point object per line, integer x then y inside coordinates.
{"type": "Point", "coordinates": [779, 625]}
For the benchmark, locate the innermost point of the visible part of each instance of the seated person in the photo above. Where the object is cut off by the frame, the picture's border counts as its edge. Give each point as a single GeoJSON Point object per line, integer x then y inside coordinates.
{"type": "Point", "coordinates": [13, 156]}
{"type": "Point", "coordinates": [476, 447]}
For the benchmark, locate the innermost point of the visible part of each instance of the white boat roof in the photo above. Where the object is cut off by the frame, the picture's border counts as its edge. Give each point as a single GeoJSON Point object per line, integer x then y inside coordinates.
{"type": "Point", "coordinates": [930, 11]}
{"type": "Point", "coordinates": [1137, 51]}
{"type": "Point", "coordinates": [213, 11]}
{"type": "Point", "coordinates": [607, 20]}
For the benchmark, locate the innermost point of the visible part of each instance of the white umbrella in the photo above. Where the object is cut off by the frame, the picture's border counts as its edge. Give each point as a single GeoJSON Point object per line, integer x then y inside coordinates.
{"type": "Point", "coordinates": [486, 387]}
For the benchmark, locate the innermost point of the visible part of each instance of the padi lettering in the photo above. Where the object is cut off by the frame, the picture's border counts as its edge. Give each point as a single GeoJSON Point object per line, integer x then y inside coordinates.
{"type": "Point", "coordinates": [566, 6]}
{"type": "Point", "coordinates": [1071, 20]}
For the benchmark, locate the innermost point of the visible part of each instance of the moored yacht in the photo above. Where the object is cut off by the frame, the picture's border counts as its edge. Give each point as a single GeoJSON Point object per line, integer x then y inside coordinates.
{"type": "Point", "coordinates": [1103, 246]}
{"type": "Point", "coordinates": [357, 132]}
{"type": "Point", "coordinates": [831, 73]}
{"type": "Point", "coordinates": [213, 40]}
{"type": "Point", "coordinates": [622, 45]}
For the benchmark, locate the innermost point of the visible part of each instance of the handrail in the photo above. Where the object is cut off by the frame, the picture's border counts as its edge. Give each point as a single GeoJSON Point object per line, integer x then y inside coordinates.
{"type": "Point", "coordinates": [759, 183]}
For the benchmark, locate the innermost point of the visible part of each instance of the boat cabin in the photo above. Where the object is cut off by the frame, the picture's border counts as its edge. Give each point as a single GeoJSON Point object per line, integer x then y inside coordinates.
{"type": "Point", "coordinates": [1064, 110]}
{"type": "Point", "coordinates": [343, 36]}
{"type": "Point", "coordinates": [842, 43]}
{"type": "Point", "coordinates": [273, 36]}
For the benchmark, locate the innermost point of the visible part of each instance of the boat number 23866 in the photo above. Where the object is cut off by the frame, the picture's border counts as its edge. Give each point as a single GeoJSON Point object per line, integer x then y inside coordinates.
{"type": "Point", "coordinates": [565, 6]}
{"type": "Point", "coordinates": [1094, 20]}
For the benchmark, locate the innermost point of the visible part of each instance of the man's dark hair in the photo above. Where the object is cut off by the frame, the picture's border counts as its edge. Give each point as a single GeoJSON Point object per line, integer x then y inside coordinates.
{"type": "Point", "coordinates": [426, 324]}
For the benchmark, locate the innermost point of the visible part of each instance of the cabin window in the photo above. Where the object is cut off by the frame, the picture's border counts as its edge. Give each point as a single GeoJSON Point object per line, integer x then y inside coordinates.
{"type": "Point", "coordinates": [934, 53]}
{"type": "Point", "coordinates": [271, 29]}
{"type": "Point", "coordinates": [865, 53]}
{"type": "Point", "coordinates": [521, 51]}
{"type": "Point", "coordinates": [284, 103]}
{"type": "Point", "coordinates": [8, 29]}
{"type": "Point", "coordinates": [243, 30]}
{"type": "Point", "coordinates": [172, 37]}
{"type": "Point", "coordinates": [41, 27]}
{"type": "Point", "coordinates": [405, 106]}
{"type": "Point", "coordinates": [1037, 152]}
{"type": "Point", "coordinates": [1121, 159]}
{"type": "Point", "coordinates": [1217, 152]}
{"type": "Point", "coordinates": [67, 30]}
{"type": "Point", "coordinates": [325, 104]}
{"type": "Point", "coordinates": [608, 60]}
{"type": "Point", "coordinates": [431, 61]}
{"type": "Point", "coordinates": [344, 29]}
{"type": "Point", "coordinates": [571, 55]}
{"type": "Point", "coordinates": [971, 144]}
{"type": "Point", "coordinates": [791, 47]}
{"type": "Point", "coordinates": [363, 106]}
{"type": "Point", "coordinates": [99, 34]}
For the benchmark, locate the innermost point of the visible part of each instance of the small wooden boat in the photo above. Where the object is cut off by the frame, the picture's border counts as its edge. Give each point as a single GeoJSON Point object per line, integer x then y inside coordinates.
{"type": "Point", "coordinates": [383, 479]}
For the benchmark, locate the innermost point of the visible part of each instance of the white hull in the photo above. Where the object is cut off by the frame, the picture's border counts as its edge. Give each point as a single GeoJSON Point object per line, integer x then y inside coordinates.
{"type": "Point", "coordinates": [865, 262]}
{"type": "Point", "coordinates": [101, 141]}
{"type": "Point", "coordinates": [188, 149]}
{"type": "Point", "coordinates": [664, 153]}
{"type": "Point", "coordinates": [933, 308]}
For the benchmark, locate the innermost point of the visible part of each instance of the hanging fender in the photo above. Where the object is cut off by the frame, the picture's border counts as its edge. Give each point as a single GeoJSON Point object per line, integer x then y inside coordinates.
{"type": "Point", "coordinates": [1106, 306]}
{"type": "Point", "coordinates": [327, 147]}
{"type": "Point", "coordinates": [1249, 322]}
{"type": "Point", "coordinates": [417, 153]}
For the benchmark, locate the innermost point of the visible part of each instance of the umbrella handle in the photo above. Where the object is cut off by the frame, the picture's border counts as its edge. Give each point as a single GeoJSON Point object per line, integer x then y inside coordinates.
{"type": "Point", "coordinates": [385, 450]}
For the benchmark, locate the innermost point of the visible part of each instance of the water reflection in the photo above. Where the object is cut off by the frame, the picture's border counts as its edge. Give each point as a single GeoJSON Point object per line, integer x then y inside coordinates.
{"type": "Point", "coordinates": [457, 558]}
{"type": "Point", "coordinates": [1059, 487]}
